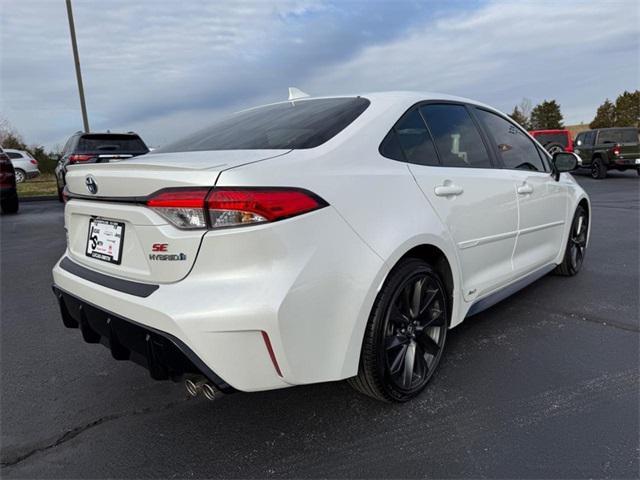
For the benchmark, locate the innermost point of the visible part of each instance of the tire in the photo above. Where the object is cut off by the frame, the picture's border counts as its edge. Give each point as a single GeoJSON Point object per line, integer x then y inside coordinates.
{"type": "Point", "coordinates": [554, 148]}
{"type": "Point", "coordinates": [598, 169]}
{"type": "Point", "coordinates": [10, 205]}
{"type": "Point", "coordinates": [21, 176]}
{"type": "Point", "coordinates": [576, 245]}
{"type": "Point", "coordinates": [401, 350]}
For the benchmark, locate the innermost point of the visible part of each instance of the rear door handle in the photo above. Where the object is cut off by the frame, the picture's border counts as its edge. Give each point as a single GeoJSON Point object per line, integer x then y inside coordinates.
{"type": "Point", "coordinates": [448, 190]}
{"type": "Point", "coordinates": [525, 189]}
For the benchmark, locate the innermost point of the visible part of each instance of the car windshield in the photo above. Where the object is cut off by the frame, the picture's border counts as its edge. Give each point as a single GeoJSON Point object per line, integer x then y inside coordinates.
{"type": "Point", "coordinates": [110, 143]}
{"type": "Point", "coordinates": [546, 138]}
{"type": "Point", "coordinates": [618, 136]}
{"type": "Point", "coordinates": [291, 125]}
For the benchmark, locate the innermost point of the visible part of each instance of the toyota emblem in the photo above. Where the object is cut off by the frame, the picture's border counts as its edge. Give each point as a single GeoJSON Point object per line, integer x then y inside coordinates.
{"type": "Point", "coordinates": [91, 184]}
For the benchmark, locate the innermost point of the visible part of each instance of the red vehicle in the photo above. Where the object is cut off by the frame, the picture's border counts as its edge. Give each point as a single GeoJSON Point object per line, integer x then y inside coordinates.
{"type": "Point", "coordinates": [554, 140]}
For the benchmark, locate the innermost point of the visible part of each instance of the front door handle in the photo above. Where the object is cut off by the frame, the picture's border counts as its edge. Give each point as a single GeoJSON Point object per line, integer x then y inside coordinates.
{"type": "Point", "coordinates": [525, 189]}
{"type": "Point", "coordinates": [448, 190]}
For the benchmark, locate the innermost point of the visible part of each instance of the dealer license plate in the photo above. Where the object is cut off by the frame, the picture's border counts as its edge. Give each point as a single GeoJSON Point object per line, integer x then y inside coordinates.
{"type": "Point", "coordinates": [105, 240]}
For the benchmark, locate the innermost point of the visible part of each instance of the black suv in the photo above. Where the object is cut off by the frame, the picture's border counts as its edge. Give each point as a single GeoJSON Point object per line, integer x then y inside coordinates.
{"type": "Point", "coordinates": [609, 148]}
{"type": "Point", "coordinates": [84, 148]}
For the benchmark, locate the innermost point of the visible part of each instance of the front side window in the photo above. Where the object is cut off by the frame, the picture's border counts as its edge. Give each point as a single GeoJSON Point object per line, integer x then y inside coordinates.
{"type": "Point", "coordinates": [589, 138]}
{"type": "Point", "coordinates": [516, 150]}
{"type": "Point", "coordinates": [456, 137]}
{"type": "Point", "coordinates": [410, 140]}
{"type": "Point", "coordinates": [291, 125]}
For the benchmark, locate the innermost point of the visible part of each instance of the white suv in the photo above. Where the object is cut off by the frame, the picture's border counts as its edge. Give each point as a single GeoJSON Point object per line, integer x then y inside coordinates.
{"type": "Point", "coordinates": [315, 240]}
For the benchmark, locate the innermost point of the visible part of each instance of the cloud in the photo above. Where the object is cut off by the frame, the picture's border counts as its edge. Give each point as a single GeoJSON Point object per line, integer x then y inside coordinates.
{"type": "Point", "coordinates": [165, 68]}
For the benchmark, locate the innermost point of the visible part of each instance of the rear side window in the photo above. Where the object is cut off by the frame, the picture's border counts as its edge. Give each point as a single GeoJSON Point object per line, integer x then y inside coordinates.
{"type": "Point", "coordinates": [292, 125]}
{"type": "Point", "coordinates": [516, 150]}
{"type": "Point", "coordinates": [457, 139]}
{"type": "Point", "coordinates": [410, 140]}
{"type": "Point", "coordinates": [111, 143]}
{"type": "Point", "coordinates": [13, 155]}
{"type": "Point", "coordinates": [618, 136]}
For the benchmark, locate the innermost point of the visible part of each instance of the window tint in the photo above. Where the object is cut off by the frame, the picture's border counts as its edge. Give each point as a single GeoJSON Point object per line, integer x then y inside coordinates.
{"type": "Point", "coordinates": [298, 124]}
{"type": "Point", "coordinates": [13, 155]}
{"type": "Point", "coordinates": [456, 137]}
{"type": "Point", "coordinates": [410, 140]}
{"type": "Point", "coordinates": [517, 151]}
{"type": "Point", "coordinates": [111, 143]}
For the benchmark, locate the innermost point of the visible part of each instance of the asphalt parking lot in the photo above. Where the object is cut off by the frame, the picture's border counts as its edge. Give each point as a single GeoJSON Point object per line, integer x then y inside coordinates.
{"type": "Point", "coordinates": [543, 385]}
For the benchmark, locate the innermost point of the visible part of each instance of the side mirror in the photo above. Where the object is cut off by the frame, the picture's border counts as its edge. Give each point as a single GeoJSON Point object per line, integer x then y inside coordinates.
{"type": "Point", "coordinates": [564, 162]}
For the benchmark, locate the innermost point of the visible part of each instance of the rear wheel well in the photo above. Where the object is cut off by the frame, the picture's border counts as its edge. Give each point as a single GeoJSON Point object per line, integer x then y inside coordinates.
{"type": "Point", "coordinates": [438, 261]}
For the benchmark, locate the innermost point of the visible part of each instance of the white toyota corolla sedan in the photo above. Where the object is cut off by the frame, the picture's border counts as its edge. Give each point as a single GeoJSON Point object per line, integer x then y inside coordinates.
{"type": "Point", "coordinates": [316, 239]}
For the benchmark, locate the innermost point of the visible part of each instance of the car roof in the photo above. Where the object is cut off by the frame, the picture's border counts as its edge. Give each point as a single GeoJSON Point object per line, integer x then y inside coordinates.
{"type": "Point", "coordinates": [15, 150]}
{"type": "Point", "coordinates": [616, 128]}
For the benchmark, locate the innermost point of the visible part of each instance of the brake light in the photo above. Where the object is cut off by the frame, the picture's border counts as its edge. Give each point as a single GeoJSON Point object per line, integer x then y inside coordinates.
{"type": "Point", "coordinates": [34, 161]}
{"type": "Point", "coordinates": [616, 150]}
{"type": "Point", "coordinates": [77, 158]}
{"type": "Point", "coordinates": [203, 207]}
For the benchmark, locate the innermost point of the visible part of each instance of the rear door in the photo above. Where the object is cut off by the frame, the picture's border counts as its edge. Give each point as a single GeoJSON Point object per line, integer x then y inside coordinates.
{"type": "Point", "coordinates": [542, 201]}
{"type": "Point", "coordinates": [453, 167]}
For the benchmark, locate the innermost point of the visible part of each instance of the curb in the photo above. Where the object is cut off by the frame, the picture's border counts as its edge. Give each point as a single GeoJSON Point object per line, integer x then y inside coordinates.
{"type": "Point", "coordinates": [38, 198]}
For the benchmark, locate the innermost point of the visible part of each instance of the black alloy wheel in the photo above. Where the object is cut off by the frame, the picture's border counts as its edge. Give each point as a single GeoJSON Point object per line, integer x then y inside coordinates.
{"type": "Point", "coordinates": [406, 333]}
{"type": "Point", "coordinates": [576, 244]}
{"type": "Point", "coordinates": [415, 331]}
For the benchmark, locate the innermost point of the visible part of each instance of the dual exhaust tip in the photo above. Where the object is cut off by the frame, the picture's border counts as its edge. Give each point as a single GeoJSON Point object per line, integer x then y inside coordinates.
{"type": "Point", "coordinates": [195, 386]}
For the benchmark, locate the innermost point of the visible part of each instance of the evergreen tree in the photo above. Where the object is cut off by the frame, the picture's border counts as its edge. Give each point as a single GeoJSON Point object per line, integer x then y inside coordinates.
{"type": "Point", "coordinates": [605, 116]}
{"type": "Point", "coordinates": [519, 117]}
{"type": "Point", "coordinates": [546, 115]}
{"type": "Point", "coordinates": [628, 109]}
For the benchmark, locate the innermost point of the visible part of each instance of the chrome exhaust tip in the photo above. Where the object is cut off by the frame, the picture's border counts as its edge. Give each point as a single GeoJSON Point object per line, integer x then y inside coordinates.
{"type": "Point", "coordinates": [193, 386]}
{"type": "Point", "coordinates": [210, 392]}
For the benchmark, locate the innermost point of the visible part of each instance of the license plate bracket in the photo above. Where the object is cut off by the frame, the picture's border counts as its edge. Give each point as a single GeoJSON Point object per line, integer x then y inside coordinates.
{"type": "Point", "coordinates": [105, 240]}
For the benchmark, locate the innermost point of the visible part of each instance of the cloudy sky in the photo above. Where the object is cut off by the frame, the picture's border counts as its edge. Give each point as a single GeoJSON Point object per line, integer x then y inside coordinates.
{"type": "Point", "coordinates": [166, 67]}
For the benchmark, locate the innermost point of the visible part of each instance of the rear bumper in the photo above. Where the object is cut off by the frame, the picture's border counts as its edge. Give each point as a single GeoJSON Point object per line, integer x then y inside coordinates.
{"type": "Point", "coordinates": [263, 307]}
{"type": "Point", "coordinates": [164, 355]}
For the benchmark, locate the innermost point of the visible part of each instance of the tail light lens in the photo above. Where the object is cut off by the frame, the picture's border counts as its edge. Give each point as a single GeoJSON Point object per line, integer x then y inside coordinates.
{"type": "Point", "coordinates": [616, 150]}
{"type": "Point", "coordinates": [202, 207]}
{"type": "Point", "coordinates": [80, 158]}
{"type": "Point", "coordinates": [34, 161]}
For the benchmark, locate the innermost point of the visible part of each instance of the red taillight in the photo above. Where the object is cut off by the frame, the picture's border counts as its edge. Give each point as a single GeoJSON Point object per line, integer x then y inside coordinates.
{"type": "Point", "coordinates": [179, 198]}
{"type": "Point", "coordinates": [34, 161]}
{"type": "Point", "coordinates": [201, 207]}
{"type": "Point", "coordinates": [265, 204]}
{"type": "Point", "coordinates": [616, 150]}
{"type": "Point", "coordinates": [77, 158]}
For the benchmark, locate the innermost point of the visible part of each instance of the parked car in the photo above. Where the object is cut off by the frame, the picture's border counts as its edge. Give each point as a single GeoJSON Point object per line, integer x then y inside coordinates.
{"type": "Point", "coordinates": [24, 164]}
{"type": "Point", "coordinates": [84, 148]}
{"type": "Point", "coordinates": [315, 240]}
{"type": "Point", "coordinates": [609, 149]}
{"type": "Point", "coordinates": [8, 191]}
{"type": "Point", "coordinates": [554, 140]}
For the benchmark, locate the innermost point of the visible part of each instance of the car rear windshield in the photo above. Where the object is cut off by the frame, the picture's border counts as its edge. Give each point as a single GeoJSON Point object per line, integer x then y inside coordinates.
{"type": "Point", "coordinates": [547, 138]}
{"type": "Point", "coordinates": [109, 143]}
{"type": "Point", "coordinates": [628, 135]}
{"type": "Point", "coordinates": [291, 125]}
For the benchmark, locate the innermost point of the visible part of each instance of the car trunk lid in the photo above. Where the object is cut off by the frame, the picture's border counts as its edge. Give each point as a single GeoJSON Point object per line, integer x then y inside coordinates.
{"type": "Point", "coordinates": [136, 242]}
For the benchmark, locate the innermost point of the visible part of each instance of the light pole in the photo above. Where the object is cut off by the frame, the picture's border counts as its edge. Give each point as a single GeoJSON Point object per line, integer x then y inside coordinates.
{"type": "Point", "coordinates": [76, 58]}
